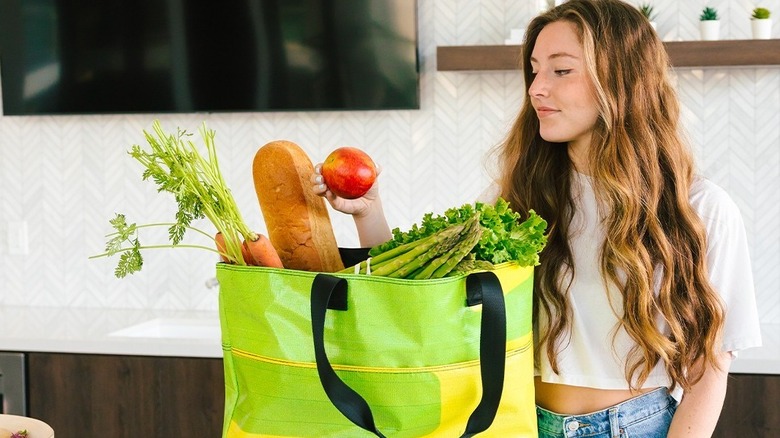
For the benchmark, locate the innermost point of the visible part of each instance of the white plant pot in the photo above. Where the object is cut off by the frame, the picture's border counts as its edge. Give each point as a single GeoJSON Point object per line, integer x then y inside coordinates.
{"type": "Point", "coordinates": [762, 29]}
{"type": "Point", "coordinates": [654, 25]}
{"type": "Point", "coordinates": [709, 29]}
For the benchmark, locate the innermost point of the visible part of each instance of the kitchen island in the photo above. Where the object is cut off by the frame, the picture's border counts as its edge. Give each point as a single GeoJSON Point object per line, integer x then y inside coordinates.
{"type": "Point", "coordinates": [159, 372]}
{"type": "Point", "coordinates": [119, 373]}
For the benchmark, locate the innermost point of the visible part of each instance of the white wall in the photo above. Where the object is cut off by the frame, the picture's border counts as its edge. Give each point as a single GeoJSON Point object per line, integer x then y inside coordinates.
{"type": "Point", "coordinates": [66, 176]}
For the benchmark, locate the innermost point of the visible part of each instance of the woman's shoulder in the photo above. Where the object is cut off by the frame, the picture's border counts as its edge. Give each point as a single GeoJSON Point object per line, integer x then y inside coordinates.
{"type": "Point", "coordinates": [712, 202]}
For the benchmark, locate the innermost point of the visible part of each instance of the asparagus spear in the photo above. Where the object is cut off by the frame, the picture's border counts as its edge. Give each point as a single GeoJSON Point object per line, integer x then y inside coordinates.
{"type": "Point", "coordinates": [416, 256]}
{"type": "Point", "coordinates": [470, 226]}
{"type": "Point", "coordinates": [470, 265]}
{"type": "Point", "coordinates": [445, 246]}
{"type": "Point", "coordinates": [363, 266]}
{"type": "Point", "coordinates": [461, 251]}
{"type": "Point", "coordinates": [389, 255]}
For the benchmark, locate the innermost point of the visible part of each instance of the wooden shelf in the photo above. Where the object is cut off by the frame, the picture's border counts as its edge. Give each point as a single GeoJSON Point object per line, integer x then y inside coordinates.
{"type": "Point", "coordinates": [682, 54]}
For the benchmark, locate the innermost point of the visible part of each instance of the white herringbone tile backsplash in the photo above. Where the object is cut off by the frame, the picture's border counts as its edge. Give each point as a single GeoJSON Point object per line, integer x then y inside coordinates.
{"type": "Point", "coordinates": [66, 176]}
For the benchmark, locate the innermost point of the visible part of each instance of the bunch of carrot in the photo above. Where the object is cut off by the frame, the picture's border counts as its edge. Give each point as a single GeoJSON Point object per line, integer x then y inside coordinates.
{"type": "Point", "coordinates": [174, 163]}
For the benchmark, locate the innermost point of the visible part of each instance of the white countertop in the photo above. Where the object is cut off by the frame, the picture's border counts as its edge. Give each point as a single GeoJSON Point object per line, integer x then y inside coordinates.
{"type": "Point", "coordinates": [762, 360]}
{"type": "Point", "coordinates": [196, 334]}
{"type": "Point", "coordinates": [90, 331]}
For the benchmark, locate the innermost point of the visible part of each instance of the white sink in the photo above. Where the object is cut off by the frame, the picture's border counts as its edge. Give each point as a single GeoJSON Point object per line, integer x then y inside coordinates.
{"type": "Point", "coordinates": [173, 328]}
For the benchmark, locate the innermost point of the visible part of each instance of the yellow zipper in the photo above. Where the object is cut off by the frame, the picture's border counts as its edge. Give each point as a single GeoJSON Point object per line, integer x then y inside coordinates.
{"type": "Point", "coordinates": [357, 368]}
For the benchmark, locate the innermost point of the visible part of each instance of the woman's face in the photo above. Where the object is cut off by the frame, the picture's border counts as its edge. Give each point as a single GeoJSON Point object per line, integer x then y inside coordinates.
{"type": "Point", "coordinates": [562, 92]}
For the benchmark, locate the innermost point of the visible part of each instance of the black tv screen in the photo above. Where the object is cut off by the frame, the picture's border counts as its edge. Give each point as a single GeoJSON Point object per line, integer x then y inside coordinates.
{"type": "Point", "coordinates": [164, 56]}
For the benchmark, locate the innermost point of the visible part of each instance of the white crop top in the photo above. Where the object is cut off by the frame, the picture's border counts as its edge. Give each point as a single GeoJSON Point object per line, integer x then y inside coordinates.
{"type": "Point", "coordinates": [589, 357]}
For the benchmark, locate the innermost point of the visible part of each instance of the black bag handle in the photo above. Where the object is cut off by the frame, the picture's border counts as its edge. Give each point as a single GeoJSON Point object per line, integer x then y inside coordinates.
{"type": "Point", "coordinates": [481, 287]}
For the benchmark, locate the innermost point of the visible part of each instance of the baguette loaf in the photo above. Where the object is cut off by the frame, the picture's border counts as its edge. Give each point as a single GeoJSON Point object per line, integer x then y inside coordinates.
{"type": "Point", "coordinates": [297, 219]}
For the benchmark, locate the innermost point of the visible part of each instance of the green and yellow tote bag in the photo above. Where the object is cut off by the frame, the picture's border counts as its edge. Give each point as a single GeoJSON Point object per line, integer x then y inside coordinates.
{"type": "Point", "coordinates": [320, 355]}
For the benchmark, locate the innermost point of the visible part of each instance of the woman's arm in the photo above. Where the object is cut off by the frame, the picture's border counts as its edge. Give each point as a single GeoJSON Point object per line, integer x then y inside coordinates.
{"type": "Point", "coordinates": [700, 407]}
{"type": "Point", "coordinates": [372, 225]}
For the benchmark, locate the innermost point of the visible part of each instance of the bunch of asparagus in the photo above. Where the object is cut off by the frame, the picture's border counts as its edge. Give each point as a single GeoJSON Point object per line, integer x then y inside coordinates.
{"type": "Point", "coordinates": [444, 253]}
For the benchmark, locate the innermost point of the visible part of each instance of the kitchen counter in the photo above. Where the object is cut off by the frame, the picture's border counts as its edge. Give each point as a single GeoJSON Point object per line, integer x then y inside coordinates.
{"type": "Point", "coordinates": [762, 360]}
{"type": "Point", "coordinates": [196, 334]}
{"type": "Point", "coordinates": [146, 332]}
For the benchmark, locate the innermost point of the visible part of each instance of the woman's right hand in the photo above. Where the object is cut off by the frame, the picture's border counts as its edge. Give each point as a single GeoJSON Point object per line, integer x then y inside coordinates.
{"type": "Point", "coordinates": [367, 210]}
{"type": "Point", "coordinates": [355, 207]}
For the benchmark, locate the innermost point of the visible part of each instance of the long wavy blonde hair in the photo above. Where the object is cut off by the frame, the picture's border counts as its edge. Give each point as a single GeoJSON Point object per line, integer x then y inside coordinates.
{"type": "Point", "coordinates": [642, 171]}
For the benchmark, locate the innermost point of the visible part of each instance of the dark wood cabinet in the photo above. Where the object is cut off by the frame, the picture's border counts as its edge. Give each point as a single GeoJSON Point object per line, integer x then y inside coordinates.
{"type": "Point", "coordinates": [751, 408]}
{"type": "Point", "coordinates": [126, 396]}
{"type": "Point", "coordinates": [135, 396]}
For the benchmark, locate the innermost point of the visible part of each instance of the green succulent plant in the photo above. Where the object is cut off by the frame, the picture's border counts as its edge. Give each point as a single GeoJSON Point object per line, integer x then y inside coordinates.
{"type": "Point", "coordinates": [647, 10]}
{"type": "Point", "coordinates": [708, 14]}
{"type": "Point", "coordinates": [760, 13]}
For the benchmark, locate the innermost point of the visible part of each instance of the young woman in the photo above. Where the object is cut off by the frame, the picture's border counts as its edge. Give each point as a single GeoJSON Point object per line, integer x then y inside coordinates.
{"type": "Point", "coordinates": [644, 292]}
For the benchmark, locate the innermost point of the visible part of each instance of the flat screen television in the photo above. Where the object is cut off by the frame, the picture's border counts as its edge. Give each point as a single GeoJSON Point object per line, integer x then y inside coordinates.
{"type": "Point", "coordinates": [179, 56]}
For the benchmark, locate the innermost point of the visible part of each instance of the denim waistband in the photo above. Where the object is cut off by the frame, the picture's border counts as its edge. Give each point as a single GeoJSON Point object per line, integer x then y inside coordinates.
{"type": "Point", "coordinates": [622, 414]}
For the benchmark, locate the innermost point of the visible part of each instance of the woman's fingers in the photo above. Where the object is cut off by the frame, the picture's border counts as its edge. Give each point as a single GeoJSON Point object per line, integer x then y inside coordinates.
{"type": "Point", "coordinates": [318, 183]}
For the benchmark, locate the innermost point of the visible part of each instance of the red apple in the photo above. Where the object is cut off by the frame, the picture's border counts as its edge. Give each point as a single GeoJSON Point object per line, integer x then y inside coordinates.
{"type": "Point", "coordinates": [349, 172]}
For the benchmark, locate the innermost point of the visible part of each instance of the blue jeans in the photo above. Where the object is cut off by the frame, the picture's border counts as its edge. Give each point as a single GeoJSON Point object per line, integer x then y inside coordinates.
{"type": "Point", "coordinates": [648, 415]}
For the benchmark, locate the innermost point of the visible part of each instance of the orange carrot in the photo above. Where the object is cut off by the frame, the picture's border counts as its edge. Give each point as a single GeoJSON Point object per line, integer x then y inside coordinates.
{"type": "Point", "coordinates": [261, 252]}
{"type": "Point", "coordinates": [220, 239]}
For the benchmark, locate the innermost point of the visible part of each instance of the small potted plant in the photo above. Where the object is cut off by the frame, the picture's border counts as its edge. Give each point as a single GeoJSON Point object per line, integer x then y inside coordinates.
{"type": "Point", "coordinates": [647, 10]}
{"type": "Point", "coordinates": [709, 24]}
{"type": "Point", "coordinates": [761, 24]}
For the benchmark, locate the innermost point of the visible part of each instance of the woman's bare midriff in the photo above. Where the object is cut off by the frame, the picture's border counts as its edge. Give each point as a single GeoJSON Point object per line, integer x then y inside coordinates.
{"type": "Point", "coordinates": [578, 400]}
